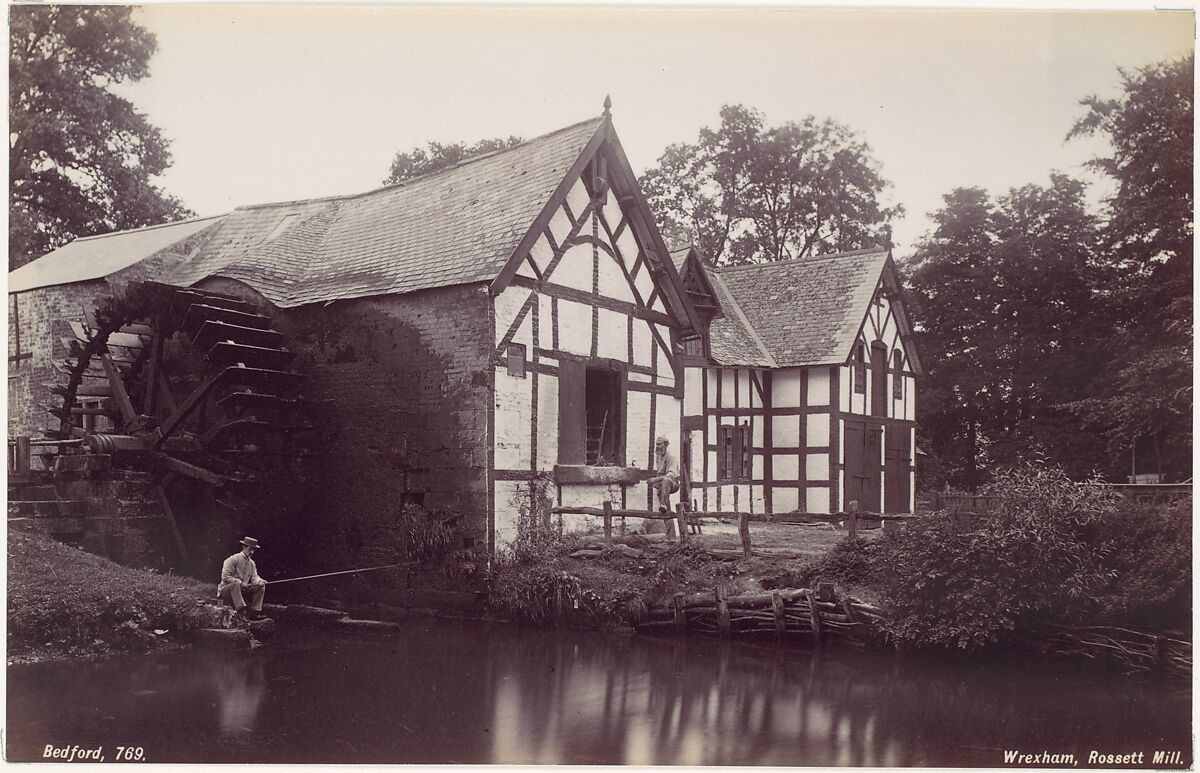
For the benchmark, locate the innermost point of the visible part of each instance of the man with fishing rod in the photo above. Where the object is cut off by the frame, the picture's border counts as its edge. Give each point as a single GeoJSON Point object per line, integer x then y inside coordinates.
{"type": "Point", "coordinates": [239, 580]}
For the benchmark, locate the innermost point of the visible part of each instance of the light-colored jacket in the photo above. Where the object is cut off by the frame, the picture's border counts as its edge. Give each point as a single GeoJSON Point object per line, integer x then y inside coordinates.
{"type": "Point", "coordinates": [240, 567]}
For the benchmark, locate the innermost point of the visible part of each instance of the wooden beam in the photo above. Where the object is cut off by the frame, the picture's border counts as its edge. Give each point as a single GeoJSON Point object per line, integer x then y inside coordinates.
{"type": "Point", "coordinates": [166, 506]}
{"type": "Point", "coordinates": [189, 470]}
{"type": "Point", "coordinates": [124, 404]}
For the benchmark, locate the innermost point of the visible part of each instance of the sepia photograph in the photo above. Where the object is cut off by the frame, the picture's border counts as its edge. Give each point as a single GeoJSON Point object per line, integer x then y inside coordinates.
{"type": "Point", "coordinates": [651, 385]}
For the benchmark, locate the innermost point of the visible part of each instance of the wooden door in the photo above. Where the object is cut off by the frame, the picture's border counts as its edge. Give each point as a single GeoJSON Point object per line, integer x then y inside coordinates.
{"type": "Point", "coordinates": [854, 462]}
{"type": "Point", "coordinates": [872, 469]}
{"type": "Point", "coordinates": [898, 469]}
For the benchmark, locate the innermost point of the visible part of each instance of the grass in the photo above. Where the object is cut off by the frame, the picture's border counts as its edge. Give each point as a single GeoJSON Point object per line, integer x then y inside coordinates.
{"type": "Point", "coordinates": [64, 602]}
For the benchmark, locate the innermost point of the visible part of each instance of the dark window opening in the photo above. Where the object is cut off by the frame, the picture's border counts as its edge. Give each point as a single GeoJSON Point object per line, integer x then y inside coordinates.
{"type": "Point", "coordinates": [602, 397]}
{"type": "Point", "coordinates": [516, 360]}
{"type": "Point", "coordinates": [413, 498]}
{"type": "Point", "coordinates": [694, 347]}
{"type": "Point", "coordinates": [733, 454]}
{"type": "Point", "coordinates": [879, 362]}
{"type": "Point", "coordinates": [897, 375]}
{"type": "Point", "coordinates": [859, 371]}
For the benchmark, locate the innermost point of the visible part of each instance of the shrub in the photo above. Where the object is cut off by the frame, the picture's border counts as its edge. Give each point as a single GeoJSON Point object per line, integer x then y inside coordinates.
{"type": "Point", "coordinates": [1034, 557]}
{"type": "Point", "coordinates": [850, 561]}
{"type": "Point", "coordinates": [1148, 555]}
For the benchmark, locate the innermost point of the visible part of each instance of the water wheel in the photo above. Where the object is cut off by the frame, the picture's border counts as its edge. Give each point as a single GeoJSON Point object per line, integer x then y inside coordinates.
{"type": "Point", "coordinates": [199, 388]}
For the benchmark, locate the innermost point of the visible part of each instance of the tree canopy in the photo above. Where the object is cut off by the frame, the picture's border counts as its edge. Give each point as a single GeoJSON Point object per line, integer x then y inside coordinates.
{"type": "Point", "coordinates": [1046, 326]}
{"type": "Point", "coordinates": [81, 158]}
{"type": "Point", "coordinates": [1002, 292]}
{"type": "Point", "coordinates": [749, 193]}
{"type": "Point", "coordinates": [438, 155]}
{"type": "Point", "coordinates": [1145, 402]}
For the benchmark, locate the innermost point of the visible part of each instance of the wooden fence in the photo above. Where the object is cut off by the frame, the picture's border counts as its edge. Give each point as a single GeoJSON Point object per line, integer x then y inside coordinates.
{"type": "Point", "coordinates": [684, 517]}
{"type": "Point", "coordinates": [792, 613]}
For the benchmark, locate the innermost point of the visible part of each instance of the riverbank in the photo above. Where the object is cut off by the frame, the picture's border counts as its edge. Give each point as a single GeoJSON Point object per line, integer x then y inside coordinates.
{"type": "Point", "coordinates": [66, 603]}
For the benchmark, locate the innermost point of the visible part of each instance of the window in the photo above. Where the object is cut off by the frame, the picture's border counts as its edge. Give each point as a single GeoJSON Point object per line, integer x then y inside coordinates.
{"type": "Point", "coordinates": [590, 414]}
{"type": "Point", "coordinates": [733, 452]}
{"type": "Point", "coordinates": [694, 347]}
{"type": "Point", "coordinates": [516, 360]}
{"type": "Point", "coordinates": [897, 375]}
{"type": "Point", "coordinates": [859, 369]}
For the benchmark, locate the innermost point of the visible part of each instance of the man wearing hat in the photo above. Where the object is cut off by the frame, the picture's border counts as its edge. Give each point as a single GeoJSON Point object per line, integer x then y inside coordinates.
{"type": "Point", "coordinates": [666, 479]}
{"type": "Point", "coordinates": [239, 580]}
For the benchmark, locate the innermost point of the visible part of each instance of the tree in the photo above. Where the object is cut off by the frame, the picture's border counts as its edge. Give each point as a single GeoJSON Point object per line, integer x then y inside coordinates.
{"type": "Point", "coordinates": [1146, 399]}
{"type": "Point", "coordinates": [748, 193]}
{"type": "Point", "coordinates": [437, 155]}
{"type": "Point", "coordinates": [81, 158]}
{"type": "Point", "coordinates": [1003, 302]}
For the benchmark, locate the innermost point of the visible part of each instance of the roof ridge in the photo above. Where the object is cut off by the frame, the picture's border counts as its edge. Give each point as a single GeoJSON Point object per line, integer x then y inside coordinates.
{"type": "Point", "coordinates": [143, 228]}
{"type": "Point", "coordinates": [424, 177]}
{"type": "Point", "coordinates": [741, 315]}
{"type": "Point", "coordinates": [807, 259]}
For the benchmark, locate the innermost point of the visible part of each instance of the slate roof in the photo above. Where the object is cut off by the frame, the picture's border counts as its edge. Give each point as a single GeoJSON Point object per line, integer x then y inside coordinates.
{"type": "Point", "coordinates": [731, 339]}
{"type": "Point", "coordinates": [456, 226]}
{"type": "Point", "coordinates": [805, 312]}
{"type": "Point", "coordinates": [95, 257]}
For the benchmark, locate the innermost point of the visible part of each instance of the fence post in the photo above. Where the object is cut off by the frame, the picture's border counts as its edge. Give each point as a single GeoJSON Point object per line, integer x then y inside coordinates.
{"type": "Point", "coordinates": [852, 518]}
{"type": "Point", "coordinates": [608, 508]}
{"type": "Point", "coordinates": [723, 623]}
{"type": "Point", "coordinates": [23, 453]}
{"type": "Point", "coordinates": [680, 613]}
{"type": "Point", "coordinates": [681, 517]}
{"type": "Point", "coordinates": [744, 533]}
{"type": "Point", "coordinates": [814, 615]}
{"type": "Point", "coordinates": [777, 608]}
{"type": "Point", "coordinates": [825, 591]}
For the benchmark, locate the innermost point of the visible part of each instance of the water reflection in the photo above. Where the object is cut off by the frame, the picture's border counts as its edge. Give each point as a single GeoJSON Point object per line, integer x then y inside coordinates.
{"type": "Point", "coordinates": [241, 687]}
{"type": "Point", "coordinates": [461, 693]}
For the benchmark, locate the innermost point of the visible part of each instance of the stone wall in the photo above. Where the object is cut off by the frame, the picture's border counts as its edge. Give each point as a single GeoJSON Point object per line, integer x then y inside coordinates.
{"type": "Point", "coordinates": [38, 320]}
{"type": "Point", "coordinates": [407, 377]}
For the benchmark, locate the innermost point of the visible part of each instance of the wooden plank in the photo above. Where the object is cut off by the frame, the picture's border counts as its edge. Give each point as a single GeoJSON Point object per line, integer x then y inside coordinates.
{"type": "Point", "coordinates": [744, 533]}
{"type": "Point", "coordinates": [124, 404]}
{"type": "Point", "coordinates": [189, 470]}
{"type": "Point", "coordinates": [572, 414]}
{"type": "Point", "coordinates": [680, 612]}
{"type": "Point", "coordinates": [608, 516]}
{"type": "Point", "coordinates": [681, 521]}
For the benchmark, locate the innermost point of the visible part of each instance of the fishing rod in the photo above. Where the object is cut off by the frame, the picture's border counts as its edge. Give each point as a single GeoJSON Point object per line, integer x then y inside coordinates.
{"type": "Point", "coordinates": [331, 574]}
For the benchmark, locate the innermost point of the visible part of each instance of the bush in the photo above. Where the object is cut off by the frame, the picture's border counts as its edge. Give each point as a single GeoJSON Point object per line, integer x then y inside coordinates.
{"type": "Point", "coordinates": [1035, 557]}
{"type": "Point", "coordinates": [849, 562]}
{"type": "Point", "coordinates": [1148, 555]}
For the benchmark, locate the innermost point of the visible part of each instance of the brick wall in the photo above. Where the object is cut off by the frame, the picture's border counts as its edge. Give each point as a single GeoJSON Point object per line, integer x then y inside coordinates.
{"type": "Point", "coordinates": [408, 379]}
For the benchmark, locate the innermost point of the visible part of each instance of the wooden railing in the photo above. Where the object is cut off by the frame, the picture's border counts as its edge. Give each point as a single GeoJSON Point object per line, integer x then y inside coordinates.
{"type": "Point", "coordinates": [684, 517]}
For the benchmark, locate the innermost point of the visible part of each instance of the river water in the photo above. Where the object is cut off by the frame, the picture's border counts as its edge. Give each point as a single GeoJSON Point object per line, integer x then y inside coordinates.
{"type": "Point", "coordinates": [461, 692]}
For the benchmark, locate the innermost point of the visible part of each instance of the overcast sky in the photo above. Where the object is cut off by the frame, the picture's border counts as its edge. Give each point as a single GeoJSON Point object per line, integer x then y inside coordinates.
{"type": "Point", "coordinates": [271, 103]}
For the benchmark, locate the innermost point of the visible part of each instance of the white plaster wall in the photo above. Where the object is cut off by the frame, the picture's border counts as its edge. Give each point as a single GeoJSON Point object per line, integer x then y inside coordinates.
{"type": "Point", "coordinates": [643, 283]}
{"type": "Point", "coordinates": [817, 466]}
{"type": "Point", "coordinates": [612, 340]}
{"type": "Point", "coordinates": [578, 198]}
{"type": "Point", "coordinates": [612, 282]}
{"type": "Point", "coordinates": [818, 430]}
{"type": "Point", "coordinates": [575, 270]}
{"type": "Point", "coordinates": [559, 226]}
{"type": "Point", "coordinates": [785, 388]}
{"type": "Point", "coordinates": [541, 253]}
{"type": "Point", "coordinates": [545, 322]}
{"type": "Point", "coordinates": [637, 430]}
{"type": "Point", "coordinates": [786, 467]}
{"type": "Point", "coordinates": [692, 391]}
{"type": "Point", "coordinates": [785, 431]}
{"type": "Point", "coordinates": [507, 305]}
{"type": "Point", "coordinates": [817, 500]}
{"type": "Point", "coordinates": [643, 340]}
{"type": "Point", "coordinates": [785, 500]}
{"type": "Point", "coordinates": [818, 386]}
{"type": "Point", "coordinates": [574, 328]}
{"type": "Point", "coordinates": [727, 378]}
{"type": "Point", "coordinates": [513, 398]}
{"type": "Point", "coordinates": [547, 441]}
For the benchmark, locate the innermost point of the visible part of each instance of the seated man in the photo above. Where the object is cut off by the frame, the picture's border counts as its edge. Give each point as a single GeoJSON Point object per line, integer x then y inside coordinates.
{"type": "Point", "coordinates": [239, 579]}
{"type": "Point", "coordinates": [664, 483]}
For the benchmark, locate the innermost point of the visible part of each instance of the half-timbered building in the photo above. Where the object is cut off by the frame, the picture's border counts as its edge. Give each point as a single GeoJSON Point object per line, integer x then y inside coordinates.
{"type": "Point", "coordinates": [801, 395]}
{"type": "Point", "coordinates": [512, 322]}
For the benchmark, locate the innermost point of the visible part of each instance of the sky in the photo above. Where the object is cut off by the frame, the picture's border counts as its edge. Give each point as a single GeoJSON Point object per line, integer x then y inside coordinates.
{"type": "Point", "coordinates": [274, 103]}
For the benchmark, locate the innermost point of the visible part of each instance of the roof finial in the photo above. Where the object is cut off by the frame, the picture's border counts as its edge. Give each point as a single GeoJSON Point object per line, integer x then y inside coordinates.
{"type": "Point", "coordinates": [607, 105]}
